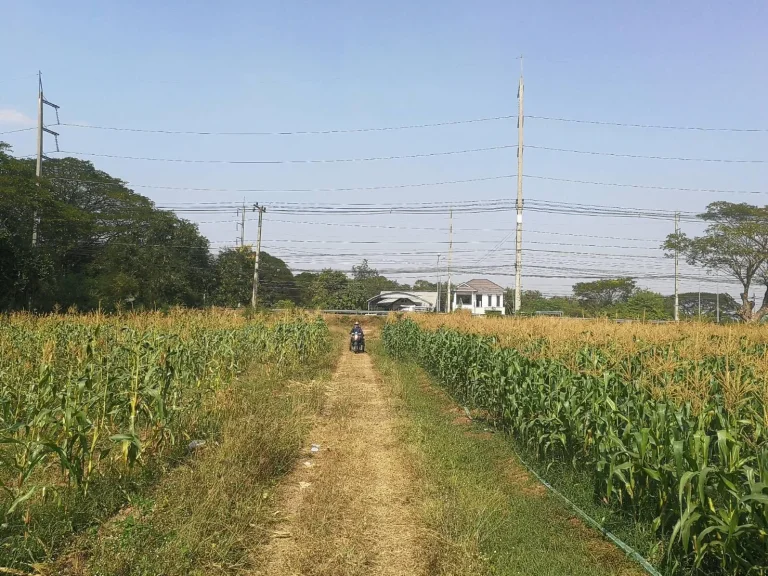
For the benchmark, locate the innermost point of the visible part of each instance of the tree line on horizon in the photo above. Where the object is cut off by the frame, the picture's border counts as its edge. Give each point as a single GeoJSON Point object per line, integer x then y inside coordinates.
{"type": "Point", "coordinates": [102, 245]}
{"type": "Point", "coordinates": [622, 298]}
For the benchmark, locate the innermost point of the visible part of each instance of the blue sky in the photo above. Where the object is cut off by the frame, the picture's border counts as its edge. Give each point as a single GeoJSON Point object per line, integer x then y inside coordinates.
{"type": "Point", "coordinates": [289, 66]}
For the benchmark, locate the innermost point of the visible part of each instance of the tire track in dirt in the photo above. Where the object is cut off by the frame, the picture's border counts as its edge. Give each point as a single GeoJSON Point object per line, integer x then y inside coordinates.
{"type": "Point", "coordinates": [350, 508]}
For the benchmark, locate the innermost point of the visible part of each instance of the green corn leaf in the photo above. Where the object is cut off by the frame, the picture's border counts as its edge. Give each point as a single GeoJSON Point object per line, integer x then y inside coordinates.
{"type": "Point", "coordinates": [20, 500]}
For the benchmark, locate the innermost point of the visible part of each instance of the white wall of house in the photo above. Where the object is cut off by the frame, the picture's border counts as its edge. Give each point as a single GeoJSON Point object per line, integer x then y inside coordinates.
{"type": "Point", "coordinates": [479, 303]}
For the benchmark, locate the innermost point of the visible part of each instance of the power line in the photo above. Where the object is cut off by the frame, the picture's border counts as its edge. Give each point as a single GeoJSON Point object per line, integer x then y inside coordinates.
{"type": "Point", "coordinates": [472, 206]}
{"type": "Point", "coordinates": [655, 126]}
{"type": "Point", "coordinates": [354, 205]}
{"type": "Point", "coordinates": [313, 241]}
{"type": "Point", "coordinates": [293, 161]}
{"type": "Point", "coordinates": [349, 189]}
{"type": "Point", "coordinates": [18, 78]}
{"type": "Point", "coordinates": [495, 248]}
{"type": "Point", "coordinates": [603, 210]}
{"type": "Point", "coordinates": [645, 186]}
{"type": "Point", "coordinates": [354, 209]}
{"type": "Point", "coordinates": [642, 157]}
{"type": "Point", "coordinates": [411, 185]}
{"type": "Point", "coordinates": [291, 133]}
{"type": "Point", "coordinates": [490, 205]}
{"type": "Point", "coordinates": [411, 127]}
{"type": "Point", "coordinates": [596, 254]}
{"type": "Point", "coordinates": [497, 244]}
{"type": "Point", "coordinates": [379, 226]}
{"type": "Point", "coordinates": [411, 156]}
{"type": "Point", "coordinates": [223, 244]}
{"type": "Point", "coordinates": [485, 270]}
{"type": "Point", "coordinates": [18, 130]}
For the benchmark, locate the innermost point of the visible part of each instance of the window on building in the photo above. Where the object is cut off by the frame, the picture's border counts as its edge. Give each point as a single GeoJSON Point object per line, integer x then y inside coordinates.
{"type": "Point", "coordinates": [498, 301]}
{"type": "Point", "coordinates": [479, 301]}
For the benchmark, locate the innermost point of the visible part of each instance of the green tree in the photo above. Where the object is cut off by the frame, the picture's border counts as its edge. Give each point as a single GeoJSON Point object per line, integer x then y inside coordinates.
{"type": "Point", "coordinates": [276, 281]}
{"type": "Point", "coordinates": [161, 261]}
{"type": "Point", "coordinates": [642, 305]}
{"type": "Point", "coordinates": [19, 267]}
{"type": "Point", "coordinates": [689, 305]}
{"type": "Point", "coordinates": [304, 285]}
{"type": "Point", "coordinates": [603, 293]}
{"type": "Point", "coordinates": [33, 275]}
{"type": "Point", "coordinates": [532, 301]}
{"type": "Point", "coordinates": [98, 243]}
{"type": "Point", "coordinates": [328, 288]}
{"type": "Point", "coordinates": [424, 286]}
{"type": "Point", "coordinates": [363, 272]}
{"type": "Point", "coordinates": [735, 243]}
{"type": "Point", "coordinates": [234, 277]}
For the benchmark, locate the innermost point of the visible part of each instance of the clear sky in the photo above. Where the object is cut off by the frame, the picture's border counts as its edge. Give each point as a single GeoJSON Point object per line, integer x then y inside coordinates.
{"type": "Point", "coordinates": [304, 66]}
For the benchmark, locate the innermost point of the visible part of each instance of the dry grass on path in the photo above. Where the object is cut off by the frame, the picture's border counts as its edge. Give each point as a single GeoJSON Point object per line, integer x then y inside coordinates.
{"type": "Point", "coordinates": [350, 508]}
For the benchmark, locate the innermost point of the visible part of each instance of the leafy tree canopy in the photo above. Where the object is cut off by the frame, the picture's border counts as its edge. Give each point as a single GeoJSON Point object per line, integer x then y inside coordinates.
{"type": "Point", "coordinates": [735, 244]}
{"type": "Point", "coordinates": [604, 292]}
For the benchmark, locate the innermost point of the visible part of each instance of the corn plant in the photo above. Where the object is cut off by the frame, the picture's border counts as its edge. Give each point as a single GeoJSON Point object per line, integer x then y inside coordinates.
{"type": "Point", "coordinates": [83, 394]}
{"type": "Point", "coordinates": [696, 465]}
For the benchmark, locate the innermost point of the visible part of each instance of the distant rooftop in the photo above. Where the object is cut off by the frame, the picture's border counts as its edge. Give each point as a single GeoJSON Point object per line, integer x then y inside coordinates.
{"type": "Point", "coordinates": [392, 295]}
{"type": "Point", "coordinates": [480, 285]}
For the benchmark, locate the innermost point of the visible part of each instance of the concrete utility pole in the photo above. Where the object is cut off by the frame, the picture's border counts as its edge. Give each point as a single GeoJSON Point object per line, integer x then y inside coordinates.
{"type": "Point", "coordinates": [261, 210]}
{"type": "Point", "coordinates": [519, 236]}
{"type": "Point", "coordinates": [437, 304]}
{"type": "Point", "coordinates": [449, 307]}
{"type": "Point", "coordinates": [699, 302]}
{"type": "Point", "coordinates": [242, 226]}
{"type": "Point", "coordinates": [717, 297]}
{"type": "Point", "coordinates": [41, 101]}
{"type": "Point", "coordinates": [677, 301]}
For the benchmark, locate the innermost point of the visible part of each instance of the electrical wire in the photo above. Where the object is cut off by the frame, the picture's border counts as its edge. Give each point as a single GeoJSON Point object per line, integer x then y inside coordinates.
{"type": "Point", "coordinates": [350, 189]}
{"type": "Point", "coordinates": [455, 229]}
{"type": "Point", "coordinates": [640, 156]}
{"type": "Point", "coordinates": [495, 248]}
{"type": "Point", "coordinates": [410, 185]}
{"type": "Point", "coordinates": [18, 130]}
{"type": "Point", "coordinates": [414, 126]}
{"type": "Point", "coordinates": [291, 133]}
{"type": "Point", "coordinates": [655, 126]}
{"type": "Point", "coordinates": [294, 161]}
{"type": "Point", "coordinates": [4, 80]}
{"type": "Point", "coordinates": [473, 206]}
{"type": "Point", "coordinates": [645, 186]}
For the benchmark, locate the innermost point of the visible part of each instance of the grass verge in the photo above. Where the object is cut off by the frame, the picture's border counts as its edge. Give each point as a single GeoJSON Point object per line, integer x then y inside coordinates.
{"type": "Point", "coordinates": [487, 515]}
{"type": "Point", "coordinates": [207, 514]}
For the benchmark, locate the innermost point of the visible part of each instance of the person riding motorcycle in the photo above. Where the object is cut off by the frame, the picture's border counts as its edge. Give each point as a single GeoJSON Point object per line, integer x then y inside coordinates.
{"type": "Point", "coordinates": [357, 329]}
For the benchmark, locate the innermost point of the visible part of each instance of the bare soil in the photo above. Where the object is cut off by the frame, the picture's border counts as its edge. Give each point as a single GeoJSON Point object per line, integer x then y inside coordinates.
{"type": "Point", "coordinates": [351, 507]}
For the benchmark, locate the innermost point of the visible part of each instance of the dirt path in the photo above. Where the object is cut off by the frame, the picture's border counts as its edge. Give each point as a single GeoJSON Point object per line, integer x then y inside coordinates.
{"type": "Point", "coordinates": [350, 507]}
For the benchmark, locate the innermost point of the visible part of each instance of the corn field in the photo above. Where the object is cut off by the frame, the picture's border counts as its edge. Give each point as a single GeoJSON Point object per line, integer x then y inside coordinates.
{"type": "Point", "coordinates": [82, 395]}
{"type": "Point", "coordinates": [670, 421]}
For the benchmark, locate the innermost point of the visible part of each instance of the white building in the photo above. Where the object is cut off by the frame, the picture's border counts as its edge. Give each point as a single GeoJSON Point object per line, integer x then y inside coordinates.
{"type": "Point", "coordinates": [480, 296]}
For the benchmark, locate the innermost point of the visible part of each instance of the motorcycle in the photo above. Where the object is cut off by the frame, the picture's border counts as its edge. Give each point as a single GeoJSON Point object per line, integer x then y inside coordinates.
{"type": "Point", "coordinates": [357, 343]}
